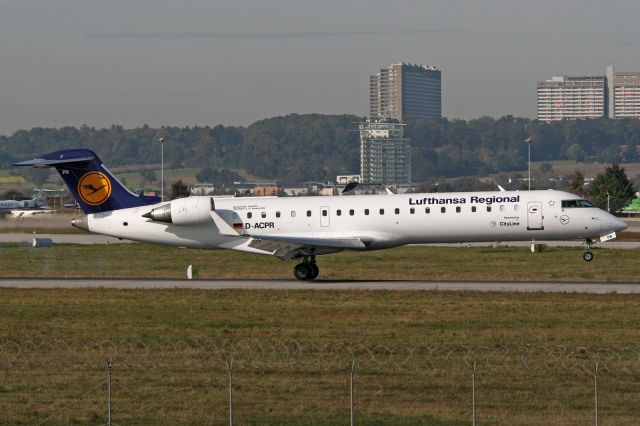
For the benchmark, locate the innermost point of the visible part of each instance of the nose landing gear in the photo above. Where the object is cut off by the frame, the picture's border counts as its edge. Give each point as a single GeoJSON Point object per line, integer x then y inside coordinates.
{"type": "Point", "coordinates": [307, 270]}
{"type": "Point", "coordinates": [588, 256]}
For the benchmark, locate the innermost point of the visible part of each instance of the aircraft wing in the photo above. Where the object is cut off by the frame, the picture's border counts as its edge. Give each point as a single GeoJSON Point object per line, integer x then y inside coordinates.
{"type": "Point", "coordinates": [287, 246]}
{"type": "Point", "coordinates": [331, 242]}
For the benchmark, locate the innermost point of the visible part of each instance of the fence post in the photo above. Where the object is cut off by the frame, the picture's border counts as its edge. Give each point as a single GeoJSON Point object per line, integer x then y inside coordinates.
{"type": "Point", "coordinates": [595, 382]}
{"type": "Point", "coordinates": [473, 395]}
{"type": "Point", "coordinates": [230, 368]}
{"type": "Point", "coordinates": [353, 367]}
{"type": "Point", "coordinates": [109, 365]}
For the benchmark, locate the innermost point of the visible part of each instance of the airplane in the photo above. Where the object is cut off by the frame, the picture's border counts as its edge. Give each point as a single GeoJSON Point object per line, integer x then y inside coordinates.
{"type": "Point", "coordinates": [35, 205]}
{"type": "Point", "coordinates": [306, 227]}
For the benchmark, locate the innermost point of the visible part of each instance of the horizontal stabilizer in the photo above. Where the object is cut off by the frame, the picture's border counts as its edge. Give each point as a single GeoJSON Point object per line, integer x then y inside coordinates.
{"type": "Point", "coordinates": [43, 162]}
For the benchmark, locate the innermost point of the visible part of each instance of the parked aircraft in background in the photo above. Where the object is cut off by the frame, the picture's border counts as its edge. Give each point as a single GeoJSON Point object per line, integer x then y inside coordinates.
{"type": "Point", "coordinates": [35, 205]}
{"type": "Point", "coordinates": [306, 227]}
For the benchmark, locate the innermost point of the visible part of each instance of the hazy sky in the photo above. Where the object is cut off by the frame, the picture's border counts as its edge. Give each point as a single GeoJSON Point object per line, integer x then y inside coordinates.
{"type": "Point", "coordinates": [198, 62]}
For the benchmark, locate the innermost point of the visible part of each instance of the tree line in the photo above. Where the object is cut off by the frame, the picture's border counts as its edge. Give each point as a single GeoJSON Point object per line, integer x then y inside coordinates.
{"type": "Point", "coordinates": [318, 147]}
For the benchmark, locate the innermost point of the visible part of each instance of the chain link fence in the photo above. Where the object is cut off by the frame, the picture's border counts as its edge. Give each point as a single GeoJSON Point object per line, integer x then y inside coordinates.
{"type": "Point", "coordinates": [293, 354]}
{"type": "Point", "coordinates": [73, 380]}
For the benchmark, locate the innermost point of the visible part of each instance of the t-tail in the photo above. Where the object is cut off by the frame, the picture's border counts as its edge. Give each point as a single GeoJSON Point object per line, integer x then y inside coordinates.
{"type": "Point", "coordinates": [89, 181]}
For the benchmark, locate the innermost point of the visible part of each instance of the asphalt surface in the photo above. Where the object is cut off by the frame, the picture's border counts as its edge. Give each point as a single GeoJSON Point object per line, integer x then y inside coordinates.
{"type": "Point", "coordinates": [18, 238]}
{"type": "Point", "coordinates": [518, 287]}
{"type": "Point", "coordinates": [61, 238]}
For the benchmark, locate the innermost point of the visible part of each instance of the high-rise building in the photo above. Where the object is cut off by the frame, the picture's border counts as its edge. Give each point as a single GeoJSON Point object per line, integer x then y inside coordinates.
{"type": "Point", "coordinates": [624, 94]}
{"type": "Point", "coordinates": [404, 90]}
{"type": "Point", "coordinates": [385, 154]}
{"type": "Point", "coordinates": [565, 97]}
{"type": "Point", "coordinates": [614, 95]}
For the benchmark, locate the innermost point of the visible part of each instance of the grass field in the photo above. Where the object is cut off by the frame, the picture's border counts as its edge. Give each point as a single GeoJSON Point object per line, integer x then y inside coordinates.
{"type": "Point", "coordinates": [404, 263]}
{"type": "Point", "coordinates": [590, 170]}
{"type": "Point", "coordinates": [197, 393]}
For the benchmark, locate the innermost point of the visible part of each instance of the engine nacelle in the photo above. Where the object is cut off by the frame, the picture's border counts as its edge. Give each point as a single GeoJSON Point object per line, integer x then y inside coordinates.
{"type": "Point", "coordinates": [183, 211]}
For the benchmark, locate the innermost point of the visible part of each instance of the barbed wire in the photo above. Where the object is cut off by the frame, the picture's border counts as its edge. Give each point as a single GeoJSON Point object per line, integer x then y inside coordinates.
{"type": "Point", "coordinates": [277, 354]}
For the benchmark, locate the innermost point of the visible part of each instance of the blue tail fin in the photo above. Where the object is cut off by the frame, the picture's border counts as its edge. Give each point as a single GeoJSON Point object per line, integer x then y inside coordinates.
{"type": "Point", "coordinates": [92, 185]}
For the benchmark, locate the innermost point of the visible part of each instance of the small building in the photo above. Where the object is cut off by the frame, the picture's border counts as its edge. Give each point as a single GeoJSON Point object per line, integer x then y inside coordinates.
{"type": "Point", "coordinates": [265, 190]}
{"type": "Point", "coordinates": [203, 189]}
{"type": "Point", "coordinates": [345, 179]}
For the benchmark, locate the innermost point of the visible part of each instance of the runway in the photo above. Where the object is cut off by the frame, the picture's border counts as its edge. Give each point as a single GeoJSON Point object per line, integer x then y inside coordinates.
{"type": "Point", "coordinates": [25, 238]}
{"type": "Point", "coordinates": [517, 287]}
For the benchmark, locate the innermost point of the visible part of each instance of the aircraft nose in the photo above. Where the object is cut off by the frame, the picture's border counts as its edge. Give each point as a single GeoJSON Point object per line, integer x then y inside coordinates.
{"type": "Point", "coordinates": [619, 225]}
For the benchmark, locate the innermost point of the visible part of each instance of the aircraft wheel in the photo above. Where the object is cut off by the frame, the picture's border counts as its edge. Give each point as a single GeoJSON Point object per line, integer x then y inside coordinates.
{"type": "Point", "coordinates": [587, 256]}
{"type": "Point", "coordinates": [303, 271]}
{"type": "Point", "coordinates": [315, 271]}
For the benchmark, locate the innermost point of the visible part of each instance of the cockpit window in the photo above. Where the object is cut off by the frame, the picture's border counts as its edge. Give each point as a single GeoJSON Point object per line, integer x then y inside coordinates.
{"type": "Point", "coordinates": [569, 204]}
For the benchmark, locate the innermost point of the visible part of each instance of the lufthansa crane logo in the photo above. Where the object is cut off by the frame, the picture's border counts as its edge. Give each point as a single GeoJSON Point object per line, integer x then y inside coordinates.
{"type": "Point", "coordinates": [94, 188]}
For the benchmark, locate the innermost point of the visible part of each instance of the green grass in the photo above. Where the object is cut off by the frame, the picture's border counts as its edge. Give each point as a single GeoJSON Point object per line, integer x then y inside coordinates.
{"type": "Point", "coordinates": [404, 263]}
{"type": "Point", "coordinates": [589, 169]}
{"type": "Point", "coordinates": [196, 392]}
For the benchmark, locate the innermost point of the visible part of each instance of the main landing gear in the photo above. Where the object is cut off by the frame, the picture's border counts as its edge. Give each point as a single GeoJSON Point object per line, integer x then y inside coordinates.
{"type": "Point", "coordinates": [588, 256]}
{"type": "Point", "coordinates": [307, 270]}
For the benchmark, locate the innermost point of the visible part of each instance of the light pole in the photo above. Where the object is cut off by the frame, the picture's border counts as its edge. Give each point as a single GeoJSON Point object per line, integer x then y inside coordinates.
{"type": "Point", "coordinates": [608, 198]}
{"type": "Point", "coordinates": [528, 141]}
{"type": "Point", "coordinates": [161, 140]}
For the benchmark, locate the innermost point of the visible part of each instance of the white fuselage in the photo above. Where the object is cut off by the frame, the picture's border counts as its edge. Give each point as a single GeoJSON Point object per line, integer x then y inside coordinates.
{"type": "Point", "coordinates": [380, 220]}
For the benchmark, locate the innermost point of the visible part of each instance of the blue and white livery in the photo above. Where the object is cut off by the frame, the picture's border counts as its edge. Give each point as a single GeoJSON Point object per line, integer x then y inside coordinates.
{"type": "Point", "coordinates": [306, 227]}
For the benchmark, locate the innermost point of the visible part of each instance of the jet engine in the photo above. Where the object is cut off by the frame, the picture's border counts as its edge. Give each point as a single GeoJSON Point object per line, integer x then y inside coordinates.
{"type": "Point", "coordinates": [183, 211]}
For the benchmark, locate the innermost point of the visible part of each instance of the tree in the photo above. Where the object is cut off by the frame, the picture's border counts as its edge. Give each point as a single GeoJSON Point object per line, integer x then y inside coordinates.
{"type": "Point", "coordinates": [12, 194]}
{"type": "Point", "coordinates": [179, 190]}
{"type": "Point", "coordinates": [614, 183]}
{"type": "Point", "coordinates": [576, 184]}
{"type": "Point", "coordinates": [147, 175]}
{"type": "Point", "coordinates": [37, 176]}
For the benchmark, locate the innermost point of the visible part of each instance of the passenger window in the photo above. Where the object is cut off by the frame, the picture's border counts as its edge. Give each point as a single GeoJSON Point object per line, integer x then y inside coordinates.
{"type": "Point", "coordinates": [458, 209]}
{"type": "Point", "coordinates": [324, 213]}
{"type": "Point", "coordinates": [443, 209]}
{"type": "Point", "coordinates": [427, 210]}
{"type": "Point", "coordinates": [277, 214]}
{"type": "Point", "coordinates": [501, 207]}
{"type": "Point", "coordinates": [412, 210]}
{"type": "Point", "coordinates": [488, 208]}
{"type": "Point", "coordinates": [293, 214]}
{"type": "Point", "coordinates": [516, 208]}
{"type": "Point", "coordinates": [381, 212]}
{"type": "Point", "coordinates": [338, 212]}
{"type": "Point", "coordinates": [351, 212]}
{"type": "Point", "coordinates": [263, 214]}
{"type": "Point", "coordinates": [473, 209]}
{"type": "Point", "coordinates": [366, 212]}
{"type": "Point", "coordinates": [249, 215]}
{"type": "Point", "coordinates": [308, 213]}
{"type": "Point", "coordinates": [397, 211]}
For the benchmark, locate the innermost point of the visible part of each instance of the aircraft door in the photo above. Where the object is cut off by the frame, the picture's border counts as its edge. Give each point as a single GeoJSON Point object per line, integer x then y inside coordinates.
{"type": "Point", "coordinates": [534, 216]}
{"type": "Point", "coordinates": [324, 216]}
